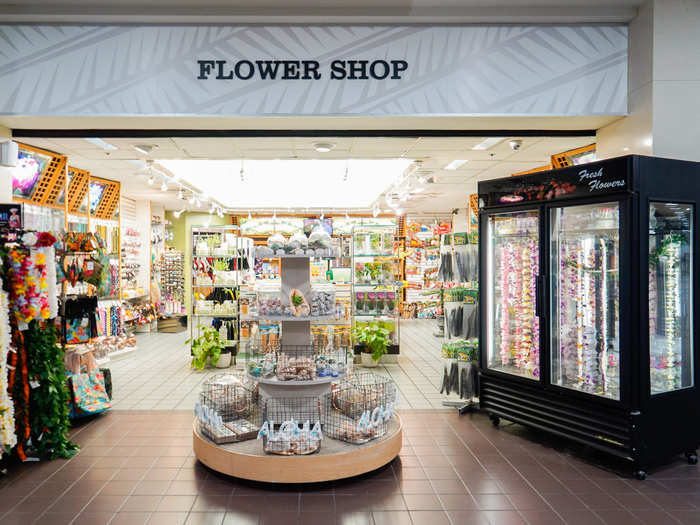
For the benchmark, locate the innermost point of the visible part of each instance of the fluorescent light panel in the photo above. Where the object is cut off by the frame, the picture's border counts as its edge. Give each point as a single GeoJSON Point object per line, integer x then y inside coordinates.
{"type": "Point", "coordinates": [488, 143]}
{"type": "Point", "coordinates": [456, 164]}
{"type": "Point", "coordinates": [290, 183]}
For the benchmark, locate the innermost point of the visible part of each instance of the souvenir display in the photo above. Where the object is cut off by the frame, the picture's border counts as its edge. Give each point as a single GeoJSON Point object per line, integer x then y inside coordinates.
{"type": "Point", "coordinates": [376, 291]}
{"type": "Point", "coordinates": [8, 438]}
{"type": "Point", "coordinates": [172, 282]}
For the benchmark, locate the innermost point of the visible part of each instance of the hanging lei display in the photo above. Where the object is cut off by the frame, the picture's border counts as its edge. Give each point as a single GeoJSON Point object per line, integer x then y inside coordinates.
{"type": "Point", "coordinates": [49, 400]}
{"type": "Point", "coordinates": [672, 309]}
{"type": "Point", "coordinates": [8, 438]}
{"type": "Point", "coordinates": [18, 386]}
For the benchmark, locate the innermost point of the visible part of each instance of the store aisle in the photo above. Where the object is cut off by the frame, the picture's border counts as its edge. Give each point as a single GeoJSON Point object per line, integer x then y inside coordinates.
{"type": "Point", "coordinates": [158, 375]}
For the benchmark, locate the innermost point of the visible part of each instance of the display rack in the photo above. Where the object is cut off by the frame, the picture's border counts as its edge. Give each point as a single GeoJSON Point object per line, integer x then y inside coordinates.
{"type": "Point", "coordinates": [376, 289]}
{"type": "Point", "coordinates": [219, 255]}
{"type": "Point", "coordinates": [172, 282]}
{"type": "Point", "coordinates": [296, 384]}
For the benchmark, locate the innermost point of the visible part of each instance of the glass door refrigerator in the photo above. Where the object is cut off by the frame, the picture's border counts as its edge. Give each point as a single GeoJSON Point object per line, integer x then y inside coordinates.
{"type": "Point", "coordinates": [588, 305]}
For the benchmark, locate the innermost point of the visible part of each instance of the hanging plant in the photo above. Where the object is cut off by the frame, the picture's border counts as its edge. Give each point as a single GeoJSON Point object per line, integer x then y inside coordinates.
{"type": "Point", "coordinates": [49, 400]}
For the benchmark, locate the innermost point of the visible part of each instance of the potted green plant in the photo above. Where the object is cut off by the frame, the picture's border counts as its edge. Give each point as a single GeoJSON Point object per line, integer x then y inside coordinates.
{"type": "Point", "coordinates": [207, 346]}
{"type": "Point", "coordinates": [374, 340]}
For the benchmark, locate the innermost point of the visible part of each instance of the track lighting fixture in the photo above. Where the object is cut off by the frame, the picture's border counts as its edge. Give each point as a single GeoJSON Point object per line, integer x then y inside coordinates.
{"type": "Point", "coordinates": [164, 186]}
{"type": "Point", "coordinates": [151, 180]}
{"type": "Point", "coordinates": [178, 213]}
{"type": "Point", "coordinates": [198, 203]}
{"type": "Point", "coordinates": [250, 217]}
{"type": "Point", "coordinates": [181, 194]}
{"type": "Point", "coordinates": [192, 199]}
{"type": "Point", "coordinates": [375, 212]}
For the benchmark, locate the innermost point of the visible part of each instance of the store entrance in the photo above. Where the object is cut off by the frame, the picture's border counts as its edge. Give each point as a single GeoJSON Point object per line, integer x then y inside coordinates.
{"type": "Point", "coordinates": [195, 238]}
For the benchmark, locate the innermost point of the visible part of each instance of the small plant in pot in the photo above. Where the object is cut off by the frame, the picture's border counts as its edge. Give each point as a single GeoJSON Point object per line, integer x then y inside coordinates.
{"type": "Point", "coordinates": [207, 346]}
{"type": "Point", "coordinates": [374, 340]}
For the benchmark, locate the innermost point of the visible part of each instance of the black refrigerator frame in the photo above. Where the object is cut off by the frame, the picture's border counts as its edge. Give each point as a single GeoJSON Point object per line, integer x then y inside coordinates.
{"type": "Point", "coordinates": [643, 428]}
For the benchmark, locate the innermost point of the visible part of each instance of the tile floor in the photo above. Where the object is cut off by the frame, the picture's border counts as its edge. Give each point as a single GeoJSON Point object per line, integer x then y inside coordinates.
{"type": "Point", "coordinates": [157, 376]}
{"type": "Point", "coordinates": [137, 467]}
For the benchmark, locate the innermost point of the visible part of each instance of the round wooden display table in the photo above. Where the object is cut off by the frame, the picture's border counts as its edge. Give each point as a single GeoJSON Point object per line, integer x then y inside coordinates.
{"type": "Point", "coordinates": [336, 459]}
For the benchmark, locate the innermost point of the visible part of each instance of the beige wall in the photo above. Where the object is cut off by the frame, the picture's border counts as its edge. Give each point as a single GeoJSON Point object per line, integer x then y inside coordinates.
{"type": "Point", "coordinates": [664, 85]}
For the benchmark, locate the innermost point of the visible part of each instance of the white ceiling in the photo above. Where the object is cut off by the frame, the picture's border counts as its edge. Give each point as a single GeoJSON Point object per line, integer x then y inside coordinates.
{"type": "Point", "coordinates": [449, 190]}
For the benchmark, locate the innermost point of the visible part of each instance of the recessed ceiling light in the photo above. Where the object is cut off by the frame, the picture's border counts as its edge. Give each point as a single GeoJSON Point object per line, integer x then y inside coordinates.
{"type": "Point", "coordinates": [625, 148]}
{"type": "Point", "coordinates": [151, 180]}
{"type": "Point", "coordinates": [488, 143]}
{"type": "Point", "coordinates": [375, 212]}
{"type": "Point", "coordinates": [648, 141]}
{"type": "Point", "coordinates": [399, 211]}
{"type": "Point", "coordinates": [456, 164]}
{"type": "Point", "coordinates": [192, 199]}
{"type": "Point", "coordinates": [324, 147]}
{"type": "Point", "coordinates": [101, 144]}
{"type": "Point", "coordinates": [164, 186]}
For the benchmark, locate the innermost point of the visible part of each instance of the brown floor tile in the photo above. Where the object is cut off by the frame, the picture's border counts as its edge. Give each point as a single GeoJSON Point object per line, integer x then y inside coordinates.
{"type": "Point", "coordinates": [430, 517]}
{"type": "Point", "coordinates": [167, 518]}
{"type": "Point", "coordinates": [130, 474]}
{"type": "Point", "coordinates": [57, 518]}
{"type": "Point", "coordinates": [390, 502]}
{"type": "Point", "coordinates": [687, 517]}
{"type": "Point", "coordinates": [316, 503]}
{"type": "Point", "coordinates": [140, 503]}
{"type": "Point", "coordinates": [434, 461]}
{"type": "Point", "coordinates": [422, 502]}
{"type": "Point", "coordinates": [277, 518]}
{"type": "Point", "coordinates": [448, 486]}
{"type": "Point", "coordinates": [468, 517]}
{"type": "Point", "coordinates": [392, 518]}
{"type": "Point", "coordinates": [492, 502]}
{"type": "Point", "coordinates": [484, 486]}
{"type": "Point", "coordinates": [616, 517]}
{"type": "Point", "coordinates": [93, 518]}
{"type": "Point", "coordinates": [528, 501]}
{"type": "Point", "coordinates": [102, 503]}
{"type": "Point", "coordinates": [241, 518]}
{"type": "Point", "coordinates": [565, 502]}
{"type": "Point", "coordinates": [505, 517]}
{"type": "Point", "coordinates": [210, 503]}
{"type": "Point", "coordinates": [580, 517]}
{"type": "Point", "coordinates": [70, 504]}
{"type": "Point", "coordinates": [184, 487]}
{"type": "Point", "coordinates": [457, 502]}
{"type": "Point", "coordinates": [19, 518]}
{"type": "Point", "coordinates": [416, 486]}
{"type": "Point", "coordinates": [317, 518]}
{"type": "Point", "coordinates": [641, 502]}
{"type": "Point", "coordinates": [205, 518]}
{"type": "Point", "coordinates": [161, 474]}
{"type": "Point", "coordinates": [170, 462]}
{"type": "Point", "coordinates": [175, 504]}
{"type": "Point", "coordinates": [130, 518]}
{"type": "Point", "coordinates": [541, 517]}
{"type": "Point", "coordinates": [118, 488]}
{"type": "Point", "coordinates": [100, 474]}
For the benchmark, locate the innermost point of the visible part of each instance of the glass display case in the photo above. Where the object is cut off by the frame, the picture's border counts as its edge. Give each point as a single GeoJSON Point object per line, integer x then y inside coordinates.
{"type": "Point", "coordinates": [585, 286]}
{"type": "Point", "coordinates": [588, 303]}
{"type": "Point", "coordinates": [670, 293]}
{"type": "Point", "coordinates": [376, 290]}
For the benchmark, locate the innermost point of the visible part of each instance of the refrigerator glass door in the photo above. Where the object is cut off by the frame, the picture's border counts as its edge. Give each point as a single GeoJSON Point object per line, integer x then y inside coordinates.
{"type": "Point", "coordinates": [670, 293]}
{"type": "Point", "coordinates": [585, 280]}
{"type": "Point", "coordinates": [512, 269]}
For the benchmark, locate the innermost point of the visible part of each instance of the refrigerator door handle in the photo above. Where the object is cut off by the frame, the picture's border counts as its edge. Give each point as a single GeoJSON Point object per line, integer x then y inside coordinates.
{"type": "Point", "coordinates": [539, 296]}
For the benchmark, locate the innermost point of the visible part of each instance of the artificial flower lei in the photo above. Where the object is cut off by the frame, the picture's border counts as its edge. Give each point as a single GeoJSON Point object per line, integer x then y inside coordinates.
{"type": "Point", "coordinates": [8, 437]}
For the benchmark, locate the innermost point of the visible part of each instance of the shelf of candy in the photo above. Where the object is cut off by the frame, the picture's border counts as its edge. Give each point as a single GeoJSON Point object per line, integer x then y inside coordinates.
{"type": "Point", "coordinates": [228, 410]}
{"type": "Point", "coordinates": [290, 437]}
{"type": "Point", "coordinates": [317, 244]}
{"type": "Point", "coordinates": [373, 244]}
{"type": "Point", "coordinates": [358, 409]}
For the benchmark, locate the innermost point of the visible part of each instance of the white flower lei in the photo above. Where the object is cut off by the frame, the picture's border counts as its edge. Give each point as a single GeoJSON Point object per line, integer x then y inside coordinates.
{"type": "Point", "coordinates": [8, 437]}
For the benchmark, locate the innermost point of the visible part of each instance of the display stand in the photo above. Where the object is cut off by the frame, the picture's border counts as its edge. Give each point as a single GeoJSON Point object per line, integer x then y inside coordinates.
{"type": "Point", "coordinates": [336, 459]}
